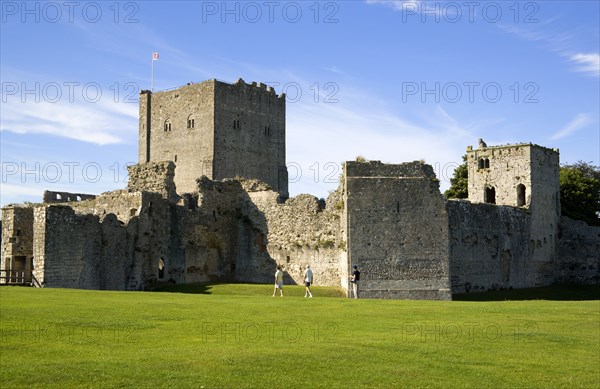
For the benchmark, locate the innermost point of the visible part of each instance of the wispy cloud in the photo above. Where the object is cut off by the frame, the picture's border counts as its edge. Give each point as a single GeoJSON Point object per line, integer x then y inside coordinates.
{"type": "Point", "coordinates": [588, 63]}
{"type": "Point", "coordinates": [396, 4]}
{"type": "Point", "coordinates": [100, 123]}
{"type": "Point", "coordinates": [562, 43]}
{"type": "Point", "coordinates": [579, 121]}
{"type": "Point", "coordinates": [320, 136]}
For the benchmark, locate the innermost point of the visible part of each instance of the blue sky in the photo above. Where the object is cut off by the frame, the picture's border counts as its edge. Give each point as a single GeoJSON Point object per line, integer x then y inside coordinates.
{"type": "Point", "coordinates": [393, 81]}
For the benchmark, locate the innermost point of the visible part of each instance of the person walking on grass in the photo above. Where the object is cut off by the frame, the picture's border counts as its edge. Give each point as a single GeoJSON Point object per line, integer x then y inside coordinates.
{"type": "Point", "coordinates": [355, 279]}
{"type": "Point", "coordinates": [278, 281]}
{"type": "Point", "coordinates": [308, 279]}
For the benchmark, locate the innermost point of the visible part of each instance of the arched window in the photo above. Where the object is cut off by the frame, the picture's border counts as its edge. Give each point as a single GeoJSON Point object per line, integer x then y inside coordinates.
{"type": "Point", "coordinates": [480, 163]}
{"type": "Point", "coordinates": [191, 121]}
{"type": "Point", "coordinates": [486, 163]}
{"type": "Point", "coordinates": [490, 195]}
{"type": "Point", "coordinates": [521, 195]}
{"type": "Point", "coordinates": [168, 125]}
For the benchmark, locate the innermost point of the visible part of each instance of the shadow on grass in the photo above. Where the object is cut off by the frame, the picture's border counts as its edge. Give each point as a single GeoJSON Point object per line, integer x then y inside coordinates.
{"type": "Point", "coordinates": [231, 289]}
{"type": "Point", "coordinates": [196, 288]}
{"type": "Point", "coordinates": [556, 292]}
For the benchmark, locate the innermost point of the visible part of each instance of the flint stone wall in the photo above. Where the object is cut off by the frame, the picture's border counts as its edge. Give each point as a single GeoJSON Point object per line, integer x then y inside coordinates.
{"type": "Point", "coordinates": [490, 247]}
{"type": "Point", "coordinates": [578, 253]}
{"type": "Point", "coordinates": [87, 246]}
{"type": "Point", "coordinates": [397, 230]}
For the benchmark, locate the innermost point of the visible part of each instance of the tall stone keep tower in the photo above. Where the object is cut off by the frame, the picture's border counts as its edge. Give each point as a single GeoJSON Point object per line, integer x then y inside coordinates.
{"type": "Point", "coordinates": [218, 130]}
{"type": "Point", "coordinates": [522, 175]}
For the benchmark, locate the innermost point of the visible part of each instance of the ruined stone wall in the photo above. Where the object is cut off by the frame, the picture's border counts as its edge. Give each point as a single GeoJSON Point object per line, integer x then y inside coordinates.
{"type": "Point", "coordinates": [157, 177]}
{"type": "Point", "coordinates": [203, 247]}
{"type": "Point", "coordinates": [178, 126]}
{"type": "Point", "coordinates": [64, 197]}
{"type": "Point", "coordinates": [17, 242]}
{"type": "Point", "coordinates": [250, 134]}
{"type": "Point", "coordinates": [87, 246]}
{"type": "Point", "coordinates": [397, 230]}
{"type": "Point", "coordinates": [240, 231]}
{"type": "Point", "coordinates": [578, 259]}
{"type": "Point", "coordinates": [490, 247]}
{"type": "Point", "coordinates": [299, 232]}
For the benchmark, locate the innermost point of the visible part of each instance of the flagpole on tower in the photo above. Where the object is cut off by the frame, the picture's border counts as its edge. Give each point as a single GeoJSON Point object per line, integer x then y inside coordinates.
{"type": "Point", "coordinates": [154, 58]}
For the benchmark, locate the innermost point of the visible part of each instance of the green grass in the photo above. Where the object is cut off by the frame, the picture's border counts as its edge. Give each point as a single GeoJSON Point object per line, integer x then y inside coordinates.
{"type": "Point", "coordinates": [240, 336]}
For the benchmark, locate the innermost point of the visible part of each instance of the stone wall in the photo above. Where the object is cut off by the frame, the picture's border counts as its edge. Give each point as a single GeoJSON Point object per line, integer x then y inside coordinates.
{"type": "Point", "coordinates": [397, 230]}
{"type": "Point", "coordinates": [490, 247]}
{"type": "Point", "coordinates": [17, 242]}
{"type": "Point", "coordinates": [241, 230]}
{"type": "Point", "coordinates": [298, 232]}
{"type": "Point", "coordinates": [578, 253]}
{"type": "Point", "coordinates": [157, 177]}
{"type": "Point", "coordinates": [65, 197]}
{"type": "Point", "coordinates": [88, 246]}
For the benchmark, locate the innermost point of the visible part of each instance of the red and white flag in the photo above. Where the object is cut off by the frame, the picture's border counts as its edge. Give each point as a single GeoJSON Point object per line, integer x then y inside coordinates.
{"type": "Point", "coordinates": [154, 56]}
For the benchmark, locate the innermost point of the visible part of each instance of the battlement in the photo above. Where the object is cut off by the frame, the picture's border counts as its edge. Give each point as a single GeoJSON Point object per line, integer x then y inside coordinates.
{"type": "Point", "coordinates": [240, 84]}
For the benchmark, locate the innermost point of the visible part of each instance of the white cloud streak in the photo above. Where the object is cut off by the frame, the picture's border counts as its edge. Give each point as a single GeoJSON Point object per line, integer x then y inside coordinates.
{"type": "Point", "coordinates": [588, 63]}
{"type": "Point", "coordinates": [102, 123]}
{"type": "Point", "coordinates": [578, 122]}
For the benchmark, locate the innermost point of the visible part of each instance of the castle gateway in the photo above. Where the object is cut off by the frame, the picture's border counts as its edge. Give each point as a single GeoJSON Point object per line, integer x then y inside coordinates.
{"type": "Point", "coordinates": [208, 201]}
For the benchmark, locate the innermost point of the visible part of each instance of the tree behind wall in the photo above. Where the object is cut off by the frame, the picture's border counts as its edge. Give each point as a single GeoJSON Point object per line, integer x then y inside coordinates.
{"type": "Point", "coordinates": [459, 183]}
{"type": "Point", "coordinates": [580, 192]}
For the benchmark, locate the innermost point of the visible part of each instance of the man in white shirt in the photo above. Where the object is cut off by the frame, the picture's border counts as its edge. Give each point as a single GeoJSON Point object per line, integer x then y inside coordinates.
{"type": "Point", "coordinates": [308, 279]}
{"type": "Point", "coordinates": [278, 281]}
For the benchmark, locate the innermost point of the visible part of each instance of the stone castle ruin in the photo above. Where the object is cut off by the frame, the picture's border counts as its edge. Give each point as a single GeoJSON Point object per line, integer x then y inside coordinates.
{"type": "Point", "coordinates": [208, 202]}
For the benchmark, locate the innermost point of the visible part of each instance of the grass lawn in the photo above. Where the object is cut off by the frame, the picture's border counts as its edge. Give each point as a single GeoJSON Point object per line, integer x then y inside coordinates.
{"type": "Point", "coordinates": [239, 336]}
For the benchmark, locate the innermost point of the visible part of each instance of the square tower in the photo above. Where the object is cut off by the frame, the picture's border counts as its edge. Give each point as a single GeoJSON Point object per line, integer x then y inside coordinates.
{"type": "Point", "coordinates": [520, 175]}
{"type": "Point", "coordinates": [218, 130]}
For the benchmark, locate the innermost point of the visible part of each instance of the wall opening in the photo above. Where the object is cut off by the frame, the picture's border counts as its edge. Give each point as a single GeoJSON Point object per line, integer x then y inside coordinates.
{"type": "Point", "coordinates": [521, 195]}
{"type": "Point", "coordinates": [19, 263]}
{"type": "Point", "coordinates": [490, 195]}
{"type": "Point", "coordinates": [486, 163]}
{"type": "Point", "coordinates": [191, 121]}
{"type": "Point", "coordinates": [480, 163]}
{"type": "Point", "coordinates": [168, 125]}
